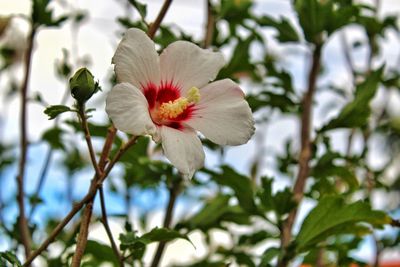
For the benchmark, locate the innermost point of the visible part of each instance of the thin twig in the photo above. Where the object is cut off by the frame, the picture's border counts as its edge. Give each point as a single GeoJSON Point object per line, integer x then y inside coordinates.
{"type": "Point", "coordinates": [156, 24]}
{"type": "Point", "coordinates": [173, 193]}
{"type": "Point", "coordinates": [23, 223]}
{"type": "Point", "coordinates": [104, 220]}
{"type": "Point", "coordinates": [210, 25]}
{"type": "Point", "coordinates": [78, 206]}
{"type": "Point", "coordinates": [305, 153]}
{"type": "Point", "coordinates": [88, 138]}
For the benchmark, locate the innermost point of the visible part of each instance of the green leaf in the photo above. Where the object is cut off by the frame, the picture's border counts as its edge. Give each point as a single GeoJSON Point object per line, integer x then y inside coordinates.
{"type": "Point", "coordinates": [95, 129]}
{"type": "Point", "coordinates": [332, 216]}
{"type": "Point", "coordinates": [317, 17]}
{"type": "Point", "coordinates": [54, 111]}
{"type": "Point", "coordinates": [286, 31]}
{"type": "Point", "coordinates": [11, 258]}
{"type": "Point", "coordinates": [210, 213]}
{"type": "Point", "coordinates": [141, 8]}
{"type": "Point", "coordinates": [241, 185]}
{"type": "Point", "coordinates": [133, 242]}
{"type": "Point", "coordinates": [162, 234]}
{"type": "Point", "coordinates": [268, 255]}
{"type": "Point", "coordinates": [326, 167]}
{"type": "Point", "coordinates": [356, 113]}
{"type": "Point", "coordinates": [240, 59]}
{"type": "Point", "coordinates": [282, 202]}
{"type": "Point", "coordinates": [41, 15]}
{"type": "Point", "coordinates": [54, 137]}
{"type": "Point", "coordinates": [100, 252]}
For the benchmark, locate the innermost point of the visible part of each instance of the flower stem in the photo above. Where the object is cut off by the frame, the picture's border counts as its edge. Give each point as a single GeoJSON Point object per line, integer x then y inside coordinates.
{"type": "Point", "coordinates": [156, 24]}
{"type": "Point", "coordinates": [305, 154]}
{"type": "Point", "coordinates": [23, 223]}
{"type": "Point", "coordinates": [173, 193]}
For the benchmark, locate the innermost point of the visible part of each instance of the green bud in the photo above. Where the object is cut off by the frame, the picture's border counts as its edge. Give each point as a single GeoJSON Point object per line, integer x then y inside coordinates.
{"type": "Point", "coordinates": [82, 85]}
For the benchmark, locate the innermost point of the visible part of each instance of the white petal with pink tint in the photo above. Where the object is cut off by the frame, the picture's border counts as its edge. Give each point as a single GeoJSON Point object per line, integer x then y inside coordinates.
{"type": "Point", "coordinates": [136, 60]}
{"type": "Point", "coordinates": [222, 114]}
{"type": "Point", "coordinates": [188, 65]}
{"type": "Point", "coordinates": [184, 149]}
{"type": "Point", "coordinates": [128, 109]}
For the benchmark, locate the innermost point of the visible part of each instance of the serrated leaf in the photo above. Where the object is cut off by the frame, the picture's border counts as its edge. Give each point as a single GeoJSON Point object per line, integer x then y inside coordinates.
{"type": "Point", "coordinates": [356, 113]}
{"type": "Point", "coordinates": [54, 111]}
{"type": "Point", "coordinates": [11, 258]}
{"type": "Point", "coordinates": [332, 216]}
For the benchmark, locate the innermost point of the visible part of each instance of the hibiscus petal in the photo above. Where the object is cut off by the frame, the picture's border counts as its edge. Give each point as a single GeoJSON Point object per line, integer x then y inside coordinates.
{"type": "Point", "coordinates": [136, 60]}
{"type": "Point", "coordinates": [128, 109]}
{"type": "Point", "coordinates": [187, 65]}
{"type": "Point", "coordinates": [184, 149]}
{"type": "Point", "coordinates": [222, 114]}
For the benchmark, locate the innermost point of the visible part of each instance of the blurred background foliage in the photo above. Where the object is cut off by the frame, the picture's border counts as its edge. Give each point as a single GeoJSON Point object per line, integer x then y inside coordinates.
{"type": "Point", "coordinates": [251, 209]}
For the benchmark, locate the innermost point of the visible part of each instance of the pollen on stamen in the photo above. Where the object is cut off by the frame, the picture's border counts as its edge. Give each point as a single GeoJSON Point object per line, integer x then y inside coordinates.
{"type": "Point", "coordinates": [172, 109]}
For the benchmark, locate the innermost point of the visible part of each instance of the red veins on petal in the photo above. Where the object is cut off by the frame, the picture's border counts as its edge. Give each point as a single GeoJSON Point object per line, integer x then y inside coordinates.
{"type": "Point", "coordinates": [164, 93]}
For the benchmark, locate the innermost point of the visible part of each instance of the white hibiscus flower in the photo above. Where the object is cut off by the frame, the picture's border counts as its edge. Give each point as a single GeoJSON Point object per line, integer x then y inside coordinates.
{"type": "Point", "coordinates": [170, 98]}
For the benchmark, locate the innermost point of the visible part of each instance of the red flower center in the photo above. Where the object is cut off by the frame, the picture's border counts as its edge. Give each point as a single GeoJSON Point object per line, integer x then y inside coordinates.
{"type": "Point", "coordinates": [163, 97]}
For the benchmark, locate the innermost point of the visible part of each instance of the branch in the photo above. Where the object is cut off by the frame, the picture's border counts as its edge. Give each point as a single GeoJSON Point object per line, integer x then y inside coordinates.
{"type": "Point", "coordinates": [156, 24]}
{"type": "Point", "coordinates": [305, 153]}
{"type": "Point", "coordinates": [83, 234]}
{"type": "Point", "coordinates": [173, 193]}
{"type": "Point", "coordinates": [23, 223]}
{"type": "Point", "coordinates": [78, 206]}
{"type": "Point", "coordinates": [209, 31]}
{"type": "Point", "coordinates": [104, 220]}
{"type": "Point", "coordinates": [87, 214]}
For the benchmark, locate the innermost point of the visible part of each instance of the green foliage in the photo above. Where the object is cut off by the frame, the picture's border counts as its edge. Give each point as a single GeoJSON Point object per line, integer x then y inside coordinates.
{"type": "Point", "coordinates": [10, 257]}
{"type": "Point", "coordinates": [286, 31]}
{"type": "Point", "coordinates": [54, 111]}
{"type": "Point", "coordinates": [247, 208]}
{"type": "Point", "coordinates": [137, 245]}
{"type": "Point", "coordinates": [356, 113]}
{"type": "Point", "coordinates": [54, 137]}
{"type": "Point", "coordinates": [241, 185]}
{"type": "Point", "coordinates": [318, 17]}
{"type": "Point", "coordinates": [281, 202]}
{"type": "Point", "coordinates": [141, 8]}
{"type": "Point", "coordinates": [42, 15]}
{"type": "Point", "coordinates": [99, 253]}
{"type": "Point", "coordinates": [333, 216]}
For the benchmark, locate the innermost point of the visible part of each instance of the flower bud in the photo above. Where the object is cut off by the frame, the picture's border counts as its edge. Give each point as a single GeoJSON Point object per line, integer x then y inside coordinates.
{"type": "Point", "coordinates": [82, 85]}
